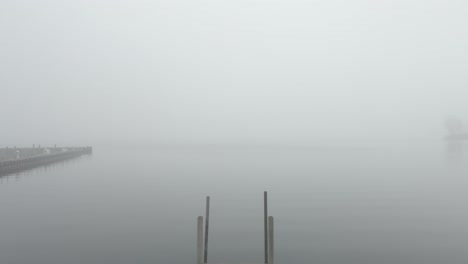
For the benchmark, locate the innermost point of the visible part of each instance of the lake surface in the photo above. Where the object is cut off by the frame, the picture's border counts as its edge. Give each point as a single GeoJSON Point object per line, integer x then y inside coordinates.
{"type": "Point", "coordinates": [386, 203]}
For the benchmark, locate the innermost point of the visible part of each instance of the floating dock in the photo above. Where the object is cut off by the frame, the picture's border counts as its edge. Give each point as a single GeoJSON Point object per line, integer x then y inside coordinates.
{"type": "Point", "coordinates": [14, 160]}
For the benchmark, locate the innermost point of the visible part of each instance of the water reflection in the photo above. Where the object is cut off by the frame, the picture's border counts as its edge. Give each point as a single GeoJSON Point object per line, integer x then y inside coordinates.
{"type": "Point", "coordinates": [17, 176]}
{"type": "Point", "coordinates": [10, 179]}
{"type": "Point", "coordinates": [455, 150]}
{"type": "Point", "coordinates": [456, 155]}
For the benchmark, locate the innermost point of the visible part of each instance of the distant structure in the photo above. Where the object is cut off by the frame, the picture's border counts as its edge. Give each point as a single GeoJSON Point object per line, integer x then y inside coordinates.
{"type": "Point", "coordinates": [456, 129]}
{"type": "Point", "coordinates": [20, 159]}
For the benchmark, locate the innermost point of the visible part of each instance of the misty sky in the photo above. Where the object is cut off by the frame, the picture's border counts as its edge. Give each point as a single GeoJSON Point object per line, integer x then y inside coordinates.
{"type": "Point", "coordinates": [211, 70]}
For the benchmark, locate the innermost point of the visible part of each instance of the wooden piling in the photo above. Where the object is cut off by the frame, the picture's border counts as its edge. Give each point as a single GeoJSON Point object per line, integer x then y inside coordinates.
{"type": "Point", "coordinates": [271, 245]}
{"type": "Point", "coordinates": [207, 224]}
{"type": "Point", "coordinates": [265, 223]}
{"type": "Point", "coordinates": [200, 240]}
{"type": "Point", "coordinates": [202, 250]}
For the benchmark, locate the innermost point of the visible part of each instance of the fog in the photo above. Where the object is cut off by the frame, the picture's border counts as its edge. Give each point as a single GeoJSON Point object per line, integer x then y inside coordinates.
{"type": "Point", "coordinates": [238, 71]}
{"type": "Point", "coordinates": [339, 109]}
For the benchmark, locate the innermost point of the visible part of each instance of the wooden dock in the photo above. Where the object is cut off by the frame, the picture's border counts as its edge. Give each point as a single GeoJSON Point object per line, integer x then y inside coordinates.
{"type": "Point", "coordinates": [21, 159]}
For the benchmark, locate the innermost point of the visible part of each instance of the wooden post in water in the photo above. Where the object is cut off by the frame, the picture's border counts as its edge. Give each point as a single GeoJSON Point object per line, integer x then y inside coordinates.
{"type": "Point", "coordinates": [200, 240]}
{"type": "Point", "coordinates": [207, 224]}
{"type": "Point", "coordinates": [265, 223]}
{"type": "Point", "coordinates": [271, 245]}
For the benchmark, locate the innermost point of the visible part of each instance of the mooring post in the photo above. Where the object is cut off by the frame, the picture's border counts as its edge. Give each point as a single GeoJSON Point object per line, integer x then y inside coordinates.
{"type": "Point", "coordinates": [271, 245]}
{"type": "Point", "coordinates": [200, 240]}
{"type": "Point", "coordinates": [265, 223]}
{"type": "Point", "coordinates": [207, 224]}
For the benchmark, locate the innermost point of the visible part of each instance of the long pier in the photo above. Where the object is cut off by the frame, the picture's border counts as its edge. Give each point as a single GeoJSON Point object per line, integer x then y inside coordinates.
{"type": "Point", "coordinates": [21, 159]}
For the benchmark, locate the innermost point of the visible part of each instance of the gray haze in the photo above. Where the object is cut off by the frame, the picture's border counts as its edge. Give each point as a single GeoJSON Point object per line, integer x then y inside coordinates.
{"type": "Point", "coordinates": [256, 70]}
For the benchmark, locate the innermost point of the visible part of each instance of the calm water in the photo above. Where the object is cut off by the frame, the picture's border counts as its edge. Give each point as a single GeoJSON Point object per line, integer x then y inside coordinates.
{"type": "Point", "coordinates": [382, 204]}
